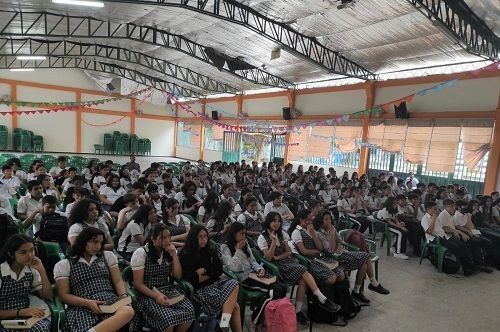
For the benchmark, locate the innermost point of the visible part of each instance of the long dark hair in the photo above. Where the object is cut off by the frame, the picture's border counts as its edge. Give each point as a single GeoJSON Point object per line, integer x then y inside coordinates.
{"type": "Point", "coordinates": [141, 215]}
{"type": "Point", "coordinates": [13, 243]}
{"type": "Point", "coordinates": [300, 216]}
{"type": "Point", "coordinates": [223, 211]}
{"type": "Point", "coordinates": [241, 201]}
{"type": "Point", "coordinates": [77, 250]}
{"type": "Point", "coordinates": [210, 202]}
{"type": "Point", "coordinates": [156, 230]}
{"type": "Point", "coordinates": [167, 204]}
{"type": "Point", "coordinates": [267, 223]}
{"type": "Point", "coordinates": [231, 242]}
{"type": "Point", "coordinates": [389, 203]}
{"type": "Point", "coordinates": [80, 211]}
{"type": "Point", "coordinates": [191, 245]}
{"type": "Point", "coordinates": [110, 180]}
{"type": "Point", "coordinates": [318, 220]}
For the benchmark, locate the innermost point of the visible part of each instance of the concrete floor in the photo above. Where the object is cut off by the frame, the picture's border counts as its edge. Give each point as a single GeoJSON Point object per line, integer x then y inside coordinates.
{"type": "Point", "coordinates": [422, 300]}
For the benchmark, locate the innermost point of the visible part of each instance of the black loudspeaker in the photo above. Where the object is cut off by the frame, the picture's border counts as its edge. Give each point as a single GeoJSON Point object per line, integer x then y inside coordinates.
{"type": "Point", "coordinates": [401, 111]}
{"type": "Point", "coordinates": [286, 113]}
{"type": "Point", "coordinates": [215, 115]}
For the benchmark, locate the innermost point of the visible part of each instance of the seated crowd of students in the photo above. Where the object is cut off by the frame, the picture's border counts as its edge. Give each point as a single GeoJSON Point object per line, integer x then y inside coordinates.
{"type": "Point", "coordinates": [211, 219]}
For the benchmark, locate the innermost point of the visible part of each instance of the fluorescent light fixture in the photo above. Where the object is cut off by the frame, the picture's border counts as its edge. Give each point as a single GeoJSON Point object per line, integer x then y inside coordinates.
{"type": "Point", "coordinates": [22, 69]}
{"type": "Point", "coordinates": [80, 3]}
{"type": "Point", "coordinates": [31, 57]}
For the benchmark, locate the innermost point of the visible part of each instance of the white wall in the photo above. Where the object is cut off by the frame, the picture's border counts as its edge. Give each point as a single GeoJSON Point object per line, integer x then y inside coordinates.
{"type": "Point", "coordinates": [229, 109]}
{"type": "Point", "coordinates": [161, 134]}
{"type": "Point", "coordinates": [466, 95]}
{"type": "Point", "coordinates": [95, 135]}
{"type": "Point", "coordinates": [265, 106]}
{"type": "Point", "coordinates": [211, 155]}
{"type": "Point", "coordinates": [343, 102]}
{"type": "Point", "coordinates": [187, 153]}
{"type": "Point", "coordinates": [59, 76]}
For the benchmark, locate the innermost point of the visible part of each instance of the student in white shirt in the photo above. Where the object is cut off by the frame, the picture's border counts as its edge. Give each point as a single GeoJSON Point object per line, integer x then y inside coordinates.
{"type": "Point", "coordinates": [29, 205]}
{"type": "Point", "coordinates": [15, 164]}
{"type": "Point", "coordinates": [344, 203]}
{"type": "Point", "coordinates": [276, 204]}
{"type": "Point", "coordinates": [447, 222]}
{"type": "Point", "coordinates": [22, 273]}
{"type": "Point", "coordinates": [101, 178]}
{"type": "Point", "coordinates": [208, 207]}
{"type": "Point", "coordinates": [433, 228]}
{"type": "Point", "coordinates": [48, 187]}
{"type": "Point", "coordinates": [109, 193]}
{"type": "Point", "coordinates": [177, 224]}
{"type": "Point", "coordinates": [134, 235]}
{"type": "Point", "coordinates": [55, 171]}
{"type": "Point", "coordinates": [372, 200]}
{"type": "Point", "coordinates": [85, 214]}
{"type": "Point", "coordinates": [87, 278]}
{"type": "Point", "coordinates": [225, 195]}
{"type": "Point", "coordinates": [412, 179]}
{"type": "Point", "coordinates": [39, 170]}
{"type": "Point", "coordinates": [9, 183]}
{"type": "Point", "coordinates": [252, 218]}
{"type": "Point", "coordinates": [389, 214]}
{"type": "Point", "coordinates": [220, 221]}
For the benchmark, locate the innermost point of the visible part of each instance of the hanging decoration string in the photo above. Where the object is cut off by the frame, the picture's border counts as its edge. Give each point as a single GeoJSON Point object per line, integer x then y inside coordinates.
{"type": "Point", "coordinates": [105, 124]}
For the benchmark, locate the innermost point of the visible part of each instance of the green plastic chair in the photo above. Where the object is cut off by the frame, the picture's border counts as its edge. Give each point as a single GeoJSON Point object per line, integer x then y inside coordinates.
{"type": "Point", "coordinates": [141, 147]}
{"type": "Point", "coordinates": [4, 140]}
{"type": "Point", "coordinates": [440, 252]}
{"type": "Point", "coordinates": [37, 143]}
{"type": "Point", "coordinates": [119, 147]}
{"type": "Point", "coordinates": [372, 246]}
{"type": "Point", "coordinates": [108, 144]}
{"type": "Point", "coordinates": [98, 148]}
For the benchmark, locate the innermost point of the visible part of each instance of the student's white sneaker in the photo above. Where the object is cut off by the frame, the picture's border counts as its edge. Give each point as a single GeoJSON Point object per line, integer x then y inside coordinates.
{"type": "Point", "coordinates": [392, 250]}
{"type": "Point", "coordinates": [401, 256]}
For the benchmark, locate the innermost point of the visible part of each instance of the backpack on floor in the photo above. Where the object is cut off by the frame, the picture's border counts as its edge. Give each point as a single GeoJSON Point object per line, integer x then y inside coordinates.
{"type": "Point", "coordinates": [350, 308]}
{"type": "Point", "coordinates": [319, 315]}
{"type": "Point", "coordinates": [356, 238]}
{"type": "Point", "coordinates": [53, 228]}
{"type": "Point", "coordinates": [450, 263]}
{"type": "Point", "coordinates": [205, 323]}
{"type": "Point", "coordinates": [279, 316]}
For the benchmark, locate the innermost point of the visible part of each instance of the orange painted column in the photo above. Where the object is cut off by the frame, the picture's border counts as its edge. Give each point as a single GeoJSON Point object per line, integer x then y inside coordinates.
{"type": "Point", "coordinates": [239, 109]}
{"type": "Point", "coordinates": [490, 181]}
{"type": "Point", "coordinates": [202, 129]}
{"type": "Point", "coordinates": [292, 95]}
{"type": "Point", "coordinates": [133, 113]}
{"type": "Point", "coordinates": [370, 88]}
{"type": "Point", "coordinates": [176, 128]}
{"type": "Point", "coordinates": [13, 97]}
{"type": "Point", "coordinates": [78, 123]}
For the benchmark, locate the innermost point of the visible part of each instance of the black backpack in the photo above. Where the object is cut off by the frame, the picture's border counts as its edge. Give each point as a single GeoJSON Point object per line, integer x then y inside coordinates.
{"type": "Point", "coordinates": [47, 262]}
{"type": "Point", "coordinates": [450, 264]}
{"type": "Point", "coordinates": [8, 227]}
{"type": "Point", "coordinates": [53, 228]}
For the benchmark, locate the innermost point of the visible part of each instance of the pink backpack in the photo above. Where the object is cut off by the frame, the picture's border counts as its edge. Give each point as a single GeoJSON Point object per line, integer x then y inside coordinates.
{"type": "Point", "coordinates": [279, 316]}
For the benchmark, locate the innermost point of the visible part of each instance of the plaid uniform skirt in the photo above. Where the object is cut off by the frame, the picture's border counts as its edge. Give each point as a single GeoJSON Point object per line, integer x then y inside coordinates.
{"type": "Point", "coordinates": [353, 260]}
{"type": "Point", "coordinates": [211, 298]}
{"type": "Point", "coordinates": [40, 326]}
{"type": "Point", "coordinates": [162, 317]}
{"type": "Point", "coordinates": [80, 319]}
{"type": "Point", "coordinates": [290, 270]}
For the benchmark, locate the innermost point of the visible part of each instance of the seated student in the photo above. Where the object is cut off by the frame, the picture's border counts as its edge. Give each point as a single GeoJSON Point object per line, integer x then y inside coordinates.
{"type": "Point", "coordinates": [273, 242]}
{"type": "Point", "coordinates": [486, 213]}
{"type": "Point", "coordinates": [15, 165]}
{"type": "Point", "coordinates": [495, 213]}
{"type": "Point", "coordinates": [71, 172]}
{"type": "Point", "coordinates": [169, 176]}
{"type": "Point", "coordinates": [60, 181]}
{"type": "Point", "coordinates": [39, 170]}
{"type": "Point", "coordinates": [125, 215]}
{"type": "Point", "coordinates": [208, 207]}
{"type": "Point", "coordinates": [226, 194]}
{"type": "Point", "coordinates": [238, 258]}
{"type": "Point", "coordinates": [76, 182]}
{"type": "Point", "coordinates": [125, 179]}
{"type": "Point", "coordinates": [202, 267]}
{"type": "Point", "coordinates": [415, 207]}
{"type": "Point", "coordinates": [308, 244]}
{"type": "Point", "coordinates": [201, 187]}
{"type": "Point", "coordinates": [188, 191]}
{"type": "Point", "coordinates": [9, 183]}
{"type": "Point", "coordinates": [78, 195]}
{"type": "Point", "coordinates": [447, 223]}
{"type": "Point", "coordinates": [100, 179]}
{"type": "Point", "coordinates": [276, 204]}
{"type": "Point", "coordinates": [252, 219]}
{"type": "Point", "coordinates": [167, 189]}
{"type": "Point", "coordinates": [433, 229]}
{"type": "Point", "coordinates": [220, 221]}
{"type": "Point", "coordinates": [389, 214]}
{"type": "Point", "coordinates": [109, 193]}
{"type": "Point", "coordinates": [47, 186]}
{"type": "Point", "coordinates": [154, 198]}
{"type": "Point", "coordinates": [416, 234]}
{"type": "Point", "coordinates": [29, 205]}
{"type": "Point", "coordinates": [138, 190]}
{"type": "Point", "coordinates": [401, 188]}
{"type": "Point", "coordinates": [372, 200]}
{"type": "Point", "coordinates": [177, 224]}
{"type": "Point", "coordinates": [463, 222]}
{"type": "Point", "coordinates": [22, 273]}
{"type": "Point", "coordinates": [89, 171]}
{"type": "Point", "coordinates": [49, 210]}
{"type": "Point", "coordinates": [85, 214]}
{"type": "Point", "coordinates": [485, 226]}
{"type": "Point", "coordinates": [134, 235]}
{"type": "Point", "coordinates": [87, 278]}
{"type": "Point", "coordinates": [153, 265]}
{"type": "Point", "coordinates": [361, 210]}
{"type": "Point", "coordinates": [56, 170]}
{"type": "Point", "coordinates": [348, 260]}
{"type": "Point", "coordinates": [32, 171]}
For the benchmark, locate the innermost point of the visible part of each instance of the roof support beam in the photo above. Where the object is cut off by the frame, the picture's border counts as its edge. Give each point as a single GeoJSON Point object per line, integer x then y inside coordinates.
{"type": "Point", "coordinates": [10, 62]}
{"type": "Point", "coordinates": [62, 48]}
{"type": "Point", "coordinates": [48, 25]}
{"type": "Point", "coordinates": [463, 24]}
{"type": "Point", "coordinates": [291, 40]}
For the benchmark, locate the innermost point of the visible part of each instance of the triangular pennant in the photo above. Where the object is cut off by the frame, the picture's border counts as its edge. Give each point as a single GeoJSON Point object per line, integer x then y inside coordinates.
{"type": "Point", "coordinates": [409, 99]}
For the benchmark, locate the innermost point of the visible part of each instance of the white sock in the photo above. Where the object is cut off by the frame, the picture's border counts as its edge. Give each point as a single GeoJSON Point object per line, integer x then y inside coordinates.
{"type": "Point", "coordinates": [374, 281]}
{"type": "Point", "coordinates": [319, 295]}
{"type": "Point", "coordinates": [356, 288]}
{"type": "Point", "coordinates": [224, 320]}
{"type": "Point", "coordinates": [91, 330]}
{"type": "Point", "coordinates": [298, 306]}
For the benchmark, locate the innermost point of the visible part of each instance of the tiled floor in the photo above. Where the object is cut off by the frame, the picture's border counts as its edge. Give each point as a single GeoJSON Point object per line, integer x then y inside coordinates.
{"type": "Point", "coordinates": [422, 300]}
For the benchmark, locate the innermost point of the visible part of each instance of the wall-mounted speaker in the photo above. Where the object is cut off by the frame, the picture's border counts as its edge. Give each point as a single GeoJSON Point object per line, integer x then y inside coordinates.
{"type": "Point", "coordinates": [401, 111]}
{"type": "Point", "coordinates": [215, 115]}
{"type": "Point", "coordinates": [286, 113]}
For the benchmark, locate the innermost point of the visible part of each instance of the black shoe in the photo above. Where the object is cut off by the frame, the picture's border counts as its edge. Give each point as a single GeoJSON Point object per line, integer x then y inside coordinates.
{"type": "Point", "coordinates": [301, 318]}
{"type": "Point", "coordinates": [224, 329]}
{"type": "Point", "coordinates": [360, 297]}
{"type": "Point", "coordinates": [330, 306]}
{"type": "Point", "coordinates": [379, 289]}
{"type": "Point", "coordinates": [485, 269]}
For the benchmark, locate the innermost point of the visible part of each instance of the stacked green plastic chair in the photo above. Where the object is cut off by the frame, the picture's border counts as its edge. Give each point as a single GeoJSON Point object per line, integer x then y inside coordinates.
{"type": "Point", "coordinates": [4, 138]}
{"type": "Point", "coordinates": [108, 143]}
{"type": "Point", "coordinates": [37, 143]}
